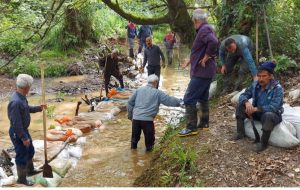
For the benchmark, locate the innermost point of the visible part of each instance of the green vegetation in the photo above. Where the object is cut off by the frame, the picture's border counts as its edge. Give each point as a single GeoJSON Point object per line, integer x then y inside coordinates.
{"type": "Point", "coordinates": [50, 111]}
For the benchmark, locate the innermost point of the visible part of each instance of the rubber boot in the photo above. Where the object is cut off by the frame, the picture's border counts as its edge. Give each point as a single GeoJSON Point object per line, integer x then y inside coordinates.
{"type": "Point", "coordinates": [133, 145]}
{"type": "Point", "coordinates": [263, 145]}
{"type": "Point", "coordinates": [22, 171]}
{"type": "Point", "coordinates": [240, 128]}
{"type": "Point", "coordinates": [204, 119]}
{"type": "Point", "coordinates": [131, 54]}
{"type": "Point", "coordinates": [191, 116]}
{"type": "Point", "coordinates": [140, 50]}
{"type": "Point", "coordinates": [149, 148]}
{"type": "Point", "coordinates": [30, 169]}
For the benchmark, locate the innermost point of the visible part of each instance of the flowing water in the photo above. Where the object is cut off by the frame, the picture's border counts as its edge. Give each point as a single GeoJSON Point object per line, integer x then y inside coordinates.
{"type": "Point", "coordinates": [107, 159]}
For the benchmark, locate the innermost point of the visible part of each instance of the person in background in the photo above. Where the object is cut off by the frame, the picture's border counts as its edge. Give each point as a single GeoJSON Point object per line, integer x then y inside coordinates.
{"type": "Point", "coordinates": [144, 32]}
{"type": "Point", "coordinates": [169, 41]}
{"type": "Point", "coordinates": [19, 116]}
{"type": "Point", "coordinates": [267, 95]}
{"type": "Point", "coordinates": [152, 56]}
{"type": "Point", "coordinates": [142, 108]}
{"type": "Point", "coordinates": [236, 49]}
{"type": "Point", "coordinates": [203, 69]}
{"type": "Point", "coordinates": [131, 34]}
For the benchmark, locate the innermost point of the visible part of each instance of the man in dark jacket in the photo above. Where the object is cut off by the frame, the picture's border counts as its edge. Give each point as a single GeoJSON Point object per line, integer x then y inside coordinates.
{"type": "Point", "coordinates": [111, 68]}
{"type": "Point", "coordinates": [236, 49]}
{"type": "Point", "coordinates": [267, 95]}
{"type": "Point", "coordinates": [152, 56]}
{"type": "Point", "coordinates": [144, 32]}
{"type": "Point", "coordinates": [131, 34]}
{"type": "Point", "coordinates": [19, 115]}
{"type": "Point", "coordinates": [169, 41]}
{"type": "Point", "coordinates": [203, 69]}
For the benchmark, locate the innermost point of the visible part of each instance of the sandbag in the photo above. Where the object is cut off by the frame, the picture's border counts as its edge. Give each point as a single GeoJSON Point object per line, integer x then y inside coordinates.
{"type": "Point", "coordinates": [2, 174]}
{"type": "Point", "coordinates": [84, 128]}
{"type": "Point", "coordinates": [294, 94]}
{"type": "Point", "coordinates": [115, 111]}
{"type": "Point", "coordinates": [61, 167]}
{"type": "Point", "coordinates": [55, 181]}
{"type": "Point", "coordinates": [94, 116]}
{"type": "Point", "coordinates": [212, 89]}
{"type": "Point", "coordinates": [235, 98]}
{"type": "Point", "coordinates": [283, 134]}
{"type": "Point", "coordinates": [75, 151]}
{"type": "Point", "coordinates": [7, 181]}
{"type": "Point", "coordinates": [54, 135]}
{"type": "Point", "coordinates": [292, 115]}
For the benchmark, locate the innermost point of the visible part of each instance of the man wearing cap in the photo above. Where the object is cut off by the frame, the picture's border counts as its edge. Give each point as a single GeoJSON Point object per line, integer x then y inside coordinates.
{"type": "Point", "coordinates": [236, 49]}
{"type": "Point", "coordinates": [111, 68]}
{"type": "Point", "coordinates": [203, 69]}
{"type": "Point", "coordinates": [142, 108]}
{"type": "Point", "coordinates": [267, 95]}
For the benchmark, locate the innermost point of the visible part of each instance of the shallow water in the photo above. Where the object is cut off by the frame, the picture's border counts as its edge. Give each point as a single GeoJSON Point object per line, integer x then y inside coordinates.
{"type": "Point", "coordinates": [107, 160]}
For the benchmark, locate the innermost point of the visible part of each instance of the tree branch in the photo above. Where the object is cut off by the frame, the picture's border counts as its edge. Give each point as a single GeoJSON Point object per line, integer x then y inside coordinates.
{"type": "Point", "coordinates": [135, 19]}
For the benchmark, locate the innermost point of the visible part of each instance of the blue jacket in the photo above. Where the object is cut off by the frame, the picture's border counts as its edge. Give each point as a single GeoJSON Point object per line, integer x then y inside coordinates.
{"type": "Point", "coordinates": [144, 32]}
{"type": "Point", "coordinates": [131, 31]}
{"type": "Point", "coordinates": [18, 112]}
{"type": "Point", "coordinates": [269, 100]}
{"type": "Point", "coordinates": [144, 103]}
{"type": "Point", "coordinates": [244, 48]}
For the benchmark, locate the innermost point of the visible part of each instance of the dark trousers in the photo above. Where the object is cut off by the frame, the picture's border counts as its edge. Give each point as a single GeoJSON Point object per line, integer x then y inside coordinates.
{"type": "Point", "coordinates": [23, 153]}
{"type": "Point", "coordinates": [148, 130]}
{"type": "Point", "coordinates": [107, 79]}
{"type": "Point", "coordinates": [197, 91]}
{"type": "Point", "coordinates": [268, 119]}
{"type": "Point", "coordinates": [230, 62]}
{"type": "Point", "coordinates": [154, 70]}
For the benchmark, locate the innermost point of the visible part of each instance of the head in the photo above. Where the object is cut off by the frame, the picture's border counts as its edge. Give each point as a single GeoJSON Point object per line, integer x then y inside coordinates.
{"type": "Point", "coordinates": [114, 53]}
{"type": "Point", "coordinates": [153, 80]}
{"type": "Point", "coordinates": [149, 41]}
{"type": "Point", "coordinates": [265, 73]}
{"type": "Point", "coordinates": [24, 83]}
{"type": "Point", "coordinates": [230, 45]}
{"type": "Point", "coordinates": [199, 17]}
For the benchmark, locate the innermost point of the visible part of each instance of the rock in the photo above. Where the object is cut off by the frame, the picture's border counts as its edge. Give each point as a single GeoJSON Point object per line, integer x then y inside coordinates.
{"type": "Point", "coordinates": [294, 94]}
{"type": "Point", "coordinates": [75, 69]}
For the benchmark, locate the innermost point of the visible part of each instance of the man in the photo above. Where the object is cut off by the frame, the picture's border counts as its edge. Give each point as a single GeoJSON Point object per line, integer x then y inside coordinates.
{"type": "Point", "coordinates": [152, 55]}
{"type": "Point", "coordinates": [19, 116]}
{"type": "Point", "coordinates": [144, 32]}
{"type": "Point", "coordinates": [142, 108]}
{"type": "Point", "coordinates": [203, 69]}
{"type": "Point", "coordinates": [169, 41]}
{"type": "Point", "coordinates": [236, 49]}
{"type": "Point", "coordinates": [131, 34]}
{"type": "Point", "coordinates": [267, 95]}
{"type": "Point", "coordinates": [111, 68]}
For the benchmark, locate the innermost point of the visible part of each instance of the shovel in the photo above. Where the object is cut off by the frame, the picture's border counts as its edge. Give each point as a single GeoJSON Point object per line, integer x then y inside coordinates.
{"type": "Point", "coordinates": [257, 137]}
{"type": "Point", "coordinates": [47, 170]}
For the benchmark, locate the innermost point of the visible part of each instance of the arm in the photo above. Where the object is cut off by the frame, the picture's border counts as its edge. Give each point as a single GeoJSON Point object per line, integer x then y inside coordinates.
{"type": "Point", "coordinates": [161, 54]}
{"type": "Point", "coordinates": [276, 102]}
{"type": "Point", "coordinates": [248, 58]}
{"type": "Point", "coordinates": [222, 53]}
{"type": "Point", "coordinates": [145, 58]}
{"type": "Point", "coordinates": [245, 96]}
{"type": "Point", "coordinates": [212, 45]}
{"type": "Point", "coordinates": [130, 105]}
{"type": "Point", "coordinates": [168, 100]}
{"type": "Point", "coordinates": [15, 116]}
{"type": "Point", "coordinates": [34, 109]}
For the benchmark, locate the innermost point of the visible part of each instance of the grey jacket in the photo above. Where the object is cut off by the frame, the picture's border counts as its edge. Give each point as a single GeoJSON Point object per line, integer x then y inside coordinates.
{"type": "Point", "coordinates": [144, 103]}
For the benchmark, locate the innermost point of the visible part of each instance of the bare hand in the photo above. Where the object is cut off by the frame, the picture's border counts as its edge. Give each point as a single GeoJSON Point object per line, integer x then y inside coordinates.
{"type": "Point", "coordinates": [26, 143]}
{"type": "Point", "coordinates": [250, 109]}
{"type": "Point", "coordinates": [204, 60]}
{"type": "Point", "coordinates": [223, 70]}
{"type": "Point", "coordinates": [44, 106]}
{"type": "Point", "coordinates": [185, 63]}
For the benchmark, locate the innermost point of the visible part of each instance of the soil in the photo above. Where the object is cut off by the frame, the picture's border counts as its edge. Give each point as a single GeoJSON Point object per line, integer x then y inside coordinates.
{"type": "Point", "coordinates": [7, 86]}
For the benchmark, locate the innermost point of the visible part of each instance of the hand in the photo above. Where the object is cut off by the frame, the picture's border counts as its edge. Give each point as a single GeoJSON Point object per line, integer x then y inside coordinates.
{"type": "Point", "coordinates": [185, 63]}
{"type": "Point", "coordinates": [223, 70]}
{"type": "Point", "coordinates": [163, 65]}
{"type": "Point", "coordinates": [255, 77]}
{"type": "Point", "coordinates": [204, 60]}
{"type": "Point", "coordinates": [250, 109]}
{"type": "Point", "coordinates": [141, 70]}
{"type": "Point", "coordinates": [26, 143]}
{"type": "Point", "coordinates": [44, 106]}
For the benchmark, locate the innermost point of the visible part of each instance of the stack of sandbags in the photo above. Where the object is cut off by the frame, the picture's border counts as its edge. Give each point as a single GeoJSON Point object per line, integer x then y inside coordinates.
{"type": "Point", "coordinates": [292, 114]}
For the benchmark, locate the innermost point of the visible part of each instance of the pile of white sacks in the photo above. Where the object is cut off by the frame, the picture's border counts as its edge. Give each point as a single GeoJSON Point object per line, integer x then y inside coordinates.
{"type": "Point", "coordinates": [286, 134]}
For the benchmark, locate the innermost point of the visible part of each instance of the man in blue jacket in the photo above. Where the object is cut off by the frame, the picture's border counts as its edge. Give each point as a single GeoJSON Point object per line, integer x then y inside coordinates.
{"type": "Point", "coordinates": [19, 115]}
{"type": "Point", "coordinates": [131, 34]}
{"type": "Point", "coordinates": [142, 108]}
{"type": "Point", "coordinates": [203, 69]}
{"type": "Point", "coordinates": [144, 32]}
{"type": "Point", "coordinates": [236, 49]}
{"type": "Point", "coordinates": [267, 95]}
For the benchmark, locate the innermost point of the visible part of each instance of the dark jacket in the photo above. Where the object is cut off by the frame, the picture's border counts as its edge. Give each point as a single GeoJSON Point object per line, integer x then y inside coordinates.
{"type": "Point", "coordinates": [144, 32]}
{"type": "Point", "coordinates": [205, 42]}
{"type": "Point", "coordinates": [131, 31]}
{"type": "Point", "coordinates": [18, 112]}
{"type": "Point", "coordinates": [152, 56]}
{"type": "Point", "coordinates": [269, 100]}
{"type": "Point", "coordinates": [110, 65]}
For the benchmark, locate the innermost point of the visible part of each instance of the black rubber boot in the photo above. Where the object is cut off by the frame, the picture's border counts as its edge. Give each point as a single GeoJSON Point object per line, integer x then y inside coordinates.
{"type": "Point", "coordinates": [30, 169]}
{"type": "Point", "coordinates": [149, 148]}
{"type": "Point", "coordinates": [204, 119]}
{"type": "Point", "coordinates": [140, 50]}
{"type": "Point", "coordinates": [263, 145]}
{"type": "Point", "coordinates": [22, 171]}
{"type": "Point", "coordinates": [191, 116]}
{"type": "Point", "coordinates": [131, 54]}
{"type": "Point", "coordinates": [133, 146]}
{"type": "Point", "coordinates": [240, 128]}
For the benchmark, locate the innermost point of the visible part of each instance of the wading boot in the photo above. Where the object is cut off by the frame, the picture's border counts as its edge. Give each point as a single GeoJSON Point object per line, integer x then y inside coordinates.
{"type": "Point", "coordinates": [240, 128]}
{"type": "Point", "coordinates": [131, 54]}
{"type": "Point", "coordinates": [133, 146]}
{"type": "Point", "coordinates": [191, 116]}
{"type": "Point", "coordinates": [31, 170]}
{"type": "Point", "coordinates": [22, 171]}
{"type": "Point", "coordinates": [204, 119]}
{"type": "Point", "coordinates": [263, 145]}
{"type": "Point", "coordinates": [149, 148]}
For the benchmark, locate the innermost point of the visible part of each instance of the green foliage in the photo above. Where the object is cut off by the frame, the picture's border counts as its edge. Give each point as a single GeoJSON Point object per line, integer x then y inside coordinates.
{"type": "Point", "coordinates": [284, 63]}
{"type": "Point", "coordinates": [26, 65]}
{"type": "Point", "coordinates": [55, 69]}
{"type": "Point", "coordinates": [50, 111]}
{"type": "Point", "coordinates": [60, 95]}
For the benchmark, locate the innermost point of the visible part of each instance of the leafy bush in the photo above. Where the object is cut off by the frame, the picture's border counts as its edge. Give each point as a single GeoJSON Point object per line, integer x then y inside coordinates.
{"type": "Point", "coordinates": [284, 63]}
{"type": "Point", "coordinates": [55, 69]}
{"type": "Point", "coordinates": [26, 65]}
